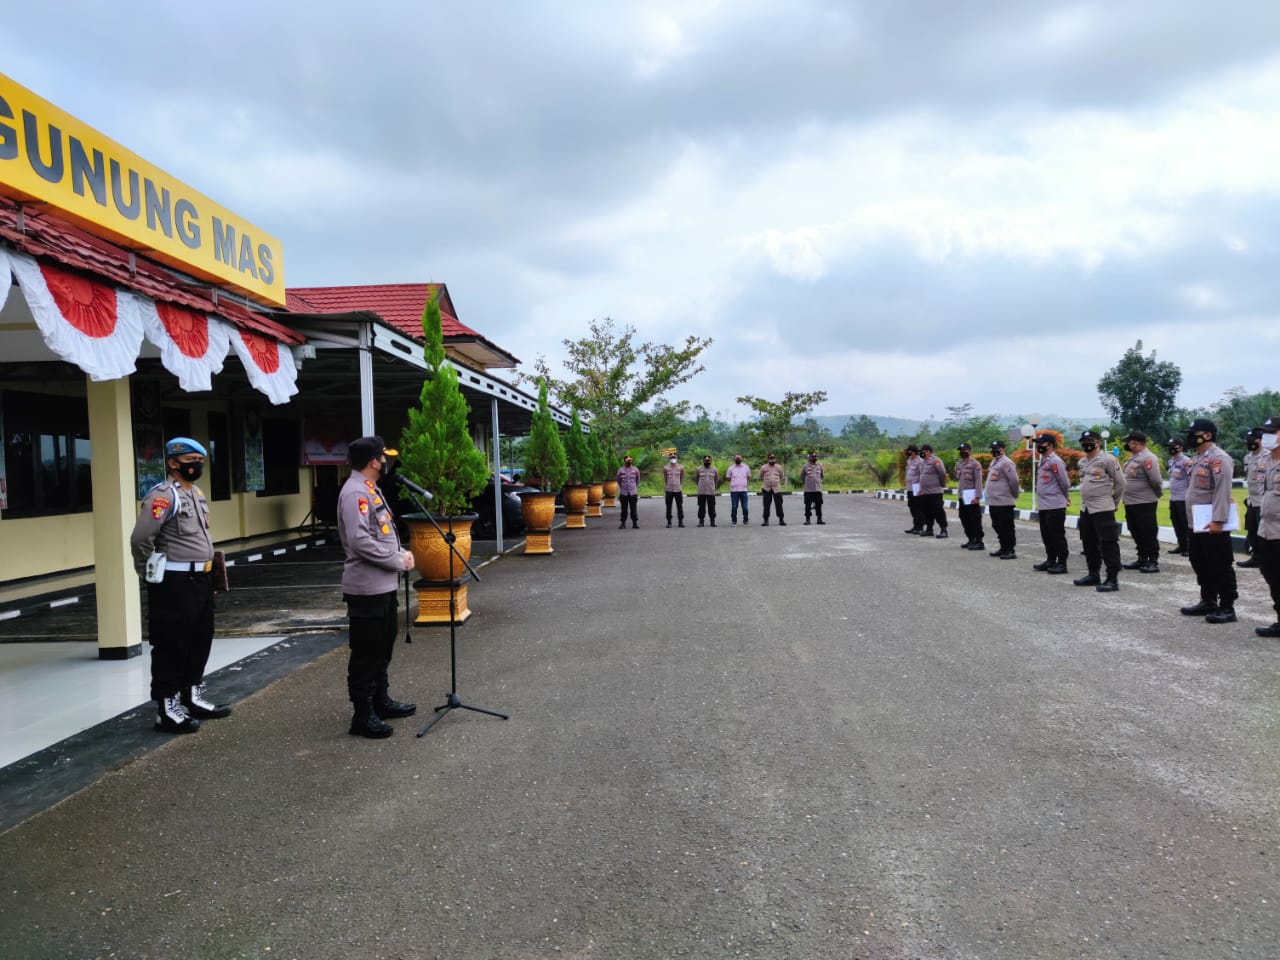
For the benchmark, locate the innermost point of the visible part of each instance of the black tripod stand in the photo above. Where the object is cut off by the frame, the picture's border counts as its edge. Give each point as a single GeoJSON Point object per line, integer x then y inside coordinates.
{"type": "Point", "coordinates": [454, 702]}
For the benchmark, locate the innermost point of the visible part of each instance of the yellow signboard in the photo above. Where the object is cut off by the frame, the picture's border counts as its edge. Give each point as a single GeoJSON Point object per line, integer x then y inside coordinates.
{"type": "Point", "coordinates": [50, 156]}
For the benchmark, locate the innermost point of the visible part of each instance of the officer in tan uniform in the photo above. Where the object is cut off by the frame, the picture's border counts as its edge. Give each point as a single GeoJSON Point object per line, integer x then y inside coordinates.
{"type": "Point", "coordinates": [771, 488]}
{"type": "Point", "coordinates": [1179, 480]}
{"type": "Point", "coordinates": [1269, 519]}
{"type": "Point", "coordinates": [1143, 487]}
{"type": "Point", "coordinates": [812, 474]}
{"type": "Point", "coordinates": [1211, 559]}
{"type": "Point", "coordinates": [673, 483]}
{"type": "Point", "coordinates": [1002, 499]}
{"type": "Point", "coordinates": [370, 576]}
{"type": "Point", "coordinates": [1255, 467]}
{"type": "Point", "coordinates": [174, 522]}
{"type": "Point", "coordinates": [707, 477]}
{"type": "Point", "coordinates": [1102, 485]}
{"type": "Point", "coordinates": [968, 474]}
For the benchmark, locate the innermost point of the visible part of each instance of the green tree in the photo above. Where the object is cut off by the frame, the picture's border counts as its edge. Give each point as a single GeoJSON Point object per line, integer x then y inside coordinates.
{"type": "Point", "coordinates": [542, 450]}
{"type": "Point", "coordinates": [769, 430]}
{"type": "Point", "coordinates": [861, 430]}
{"type": "Point", "coordinates": [577, 451]}
{"type": "Point", "coordinates": [612, 376]}
{"type": "Point", "coordinates": [1141, 392]}
{"type": "Point", "coordinates": [436, 449]}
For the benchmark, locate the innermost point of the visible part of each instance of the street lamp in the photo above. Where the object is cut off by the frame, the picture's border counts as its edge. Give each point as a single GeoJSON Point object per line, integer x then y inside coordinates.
{"type": "Point", "coordinates": [1106, 435]}
{"type": "Point", "coordinates": [1029, 431]}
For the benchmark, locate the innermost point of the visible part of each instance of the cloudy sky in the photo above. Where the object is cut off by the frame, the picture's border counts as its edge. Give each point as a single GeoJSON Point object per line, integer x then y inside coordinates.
{"type": "Point", "coordinates": [910, 205]}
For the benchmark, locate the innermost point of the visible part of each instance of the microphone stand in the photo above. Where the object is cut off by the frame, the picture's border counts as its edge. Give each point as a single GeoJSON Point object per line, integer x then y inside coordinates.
{"type": "Point", "coordinates": [453, 701]}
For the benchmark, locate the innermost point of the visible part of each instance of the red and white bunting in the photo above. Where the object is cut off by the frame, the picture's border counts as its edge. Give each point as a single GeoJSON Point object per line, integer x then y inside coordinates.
{"type": "Point", "coordinates": [193, 345]}
{"type": "Point", "coordinates": [6, 277]}
{"type": "Point", "coordinates": [268, 364]}
{"type": "Point", "coordinates": [91, 324]}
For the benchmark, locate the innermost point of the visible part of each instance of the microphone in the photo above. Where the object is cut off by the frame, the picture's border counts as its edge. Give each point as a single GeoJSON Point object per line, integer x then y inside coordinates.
{"type": "Point", "coordinates": [404, 481]}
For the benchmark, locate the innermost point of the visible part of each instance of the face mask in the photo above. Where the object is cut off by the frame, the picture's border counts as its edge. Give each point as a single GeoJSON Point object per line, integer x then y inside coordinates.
{"type": "Point", "coordinates": [673, 459]}
{"type": "Point", "coordinates": [964, 454]}
{"type": "Point", "coordinates": [1194, 440]}
{"type": "Point", "coordinates": [627, 464]}
{"type": "Point", "coordinates": [706, 463]}
{"type": "Point", "coordinates": [1268, 441]}
{"type": "Point", "coordinates": [737, 460]}
{"type": "Point", "coordinates": [773, 463]}
{"type": "Point", "coordinates": [387, 470]}
{"type": "Point", "coordinates": [191, 472]}
{"type": "Point", "coordinates": [1088, 447]}
{"type": "Point", "coordinates": [1042, 450]}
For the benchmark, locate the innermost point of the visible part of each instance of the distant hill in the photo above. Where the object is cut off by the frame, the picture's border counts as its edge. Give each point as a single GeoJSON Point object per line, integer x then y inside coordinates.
{"type": "Point", "coordinates": [905, 427]}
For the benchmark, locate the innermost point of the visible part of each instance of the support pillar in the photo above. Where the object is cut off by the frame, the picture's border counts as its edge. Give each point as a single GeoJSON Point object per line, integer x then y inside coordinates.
{"type": "Point", "coordinates": [115, 506]}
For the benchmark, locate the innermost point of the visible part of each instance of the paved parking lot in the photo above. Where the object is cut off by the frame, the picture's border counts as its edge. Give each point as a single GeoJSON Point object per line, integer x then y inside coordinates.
{"type": "Point", "coordinates": [805, 742]}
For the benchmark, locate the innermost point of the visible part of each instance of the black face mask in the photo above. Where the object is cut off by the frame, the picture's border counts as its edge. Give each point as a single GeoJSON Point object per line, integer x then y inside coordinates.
{"type": "Point", "coordinates": [1042, 450]}
{"type": "Point", "coordinates": [191, 472]}
{"type": "Point", "coordinates": [964, 454]}
{"type": "Point", "coordinates": [1088, 447]}
{"type": "Point", "coordinates": [387, 471]}
{"type": "Point", "coordinates": [1194, 440]}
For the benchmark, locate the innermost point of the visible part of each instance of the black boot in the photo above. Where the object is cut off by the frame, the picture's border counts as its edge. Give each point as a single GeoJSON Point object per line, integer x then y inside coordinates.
{"type": "Point", "coordinates": [173, 717]}
{"type": "Point", "coordinates": [199, 706]}
{"type": "Point", "coordinates": [1089, 580]}
{"type": "Point", "coordinates": [390, 709]}
{"type": "Point", "coordinates": [1200, 609]}
{"type": "Point", "coordinates": [1108, 586]}
{"type": "Point", "coordinates": [1222, 615]}
{"type": "Point", "coordinates": [366, 723]}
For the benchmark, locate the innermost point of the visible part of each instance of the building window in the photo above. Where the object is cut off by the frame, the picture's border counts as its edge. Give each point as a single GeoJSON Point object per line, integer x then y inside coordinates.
{"type": "Point", "coordinates": [281, 456]}
{"type": "Point", "coordinates": [46, 454]}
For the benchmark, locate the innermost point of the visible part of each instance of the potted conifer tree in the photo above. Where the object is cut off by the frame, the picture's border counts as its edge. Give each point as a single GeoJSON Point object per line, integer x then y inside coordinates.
{"type": "Point", "coordinates": [436, 452]}
{"type": "Point", "coordinates": [595, 491]}
{"type": "Point", "coordinates": [580, 467]}
{"type": "Point", "coordinates": [609, 465]}
{"type": "Point", "coordinates": [543, 458]}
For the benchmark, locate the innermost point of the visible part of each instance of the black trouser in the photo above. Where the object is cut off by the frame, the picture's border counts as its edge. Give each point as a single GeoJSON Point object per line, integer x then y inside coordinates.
{"type": "Point", "coordinates": [971, 520]}
{"type": "Point", "coordinates": [1100, 537]}
{"type": "Point", "coordinates": [180, 628]}
{"type": "Point", "coordinates": [1269, 563]}
{"type": "Point", "coordinates": [913, 505]}
{"type": "Point", "coordinates": [932, 511]}
{"type": "Point", "coordinates": [629, 501]}
{"type": "Point", "coordinates": [707, 505]}
{"type": "Point", "coordinates": [1251, 517]}
{"type": "Point", "coordinates": [1141, 518]}
{"type": "Point", "coordinates": [771, 498]}
{"type": "Point", "coordinates": [678, 499]}
{"type": "Point", "coordinates": [1002, 523]}
{"type": "Point", "coordinates": [372, 639]}
{"type": "Point", "coordinates": [1214, 564]}
{"type": "Point", "coordinates": [1178, 516]}
{"type": "Point", "coordinates": [1053, 531]}
{"type": "Point", "coordinates": [812, 504]}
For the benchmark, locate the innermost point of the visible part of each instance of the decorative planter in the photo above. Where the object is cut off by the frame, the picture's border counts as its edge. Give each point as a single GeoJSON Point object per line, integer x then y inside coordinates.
{"type": "Point", "coordinates": [431, 557]}
{"type": "Point", "coordinates": [575, 506]}
{"type": "Point", "coordinates": [611, 493]}
{"type": "Point", "coordinates": [595, 497]}
{"type": "Point", "coordinates": [539, 512]}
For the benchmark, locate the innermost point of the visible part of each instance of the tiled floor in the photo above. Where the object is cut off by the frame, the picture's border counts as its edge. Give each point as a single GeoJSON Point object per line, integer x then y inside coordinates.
{"type": "Point", "coordinates": [49, 691]}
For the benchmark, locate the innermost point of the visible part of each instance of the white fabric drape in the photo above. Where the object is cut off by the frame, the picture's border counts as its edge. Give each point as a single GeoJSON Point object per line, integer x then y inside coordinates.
{"type": "Point", "coordinates": [92, 325]}
{"type": "Point", "coordinates": [268, 364]}
{"type": "Point", "coordinates": [192, 345]}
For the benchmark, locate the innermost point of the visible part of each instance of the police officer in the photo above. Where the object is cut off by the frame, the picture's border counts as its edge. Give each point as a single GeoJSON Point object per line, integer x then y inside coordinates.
{"type": "Point", "coordinates": [1102, 485]}
{"type": "Point", "coordinates": [933, 480]}
{"type": "Point", "coordinates": [707, 477]}
{"type": "Point", "coordinates": [1053, 489]}
{"type": "Point", "coordinates": [628, 490]}
{"type": "Point", "coordinates": [1255, 468]}
{"type": "Point", "coordinates": [968, 474]}
{"type": "Point", "coordinates": [673, 482]}
{"type": "Point", "coordinates": [174, 521]}
{"type": "Point", "coordinates": [1179, 480]}
{"type": "Point", "coordinates": [370, 576]}
{"type": "Point", "coordinates": [1143, 488]}
{"type": "Point", "coordinates": [1002, 499]}
{"type": "Point", "coordinates": [812, 474]}
{"type": "Point", "coordinates": [1268, 554]}
{"type": "Point", "coordinates": [1210, 490]}
{"type": "Point", "coordinates": [771, 477]}
{"type": "Point", "coordinates": [913, 490]}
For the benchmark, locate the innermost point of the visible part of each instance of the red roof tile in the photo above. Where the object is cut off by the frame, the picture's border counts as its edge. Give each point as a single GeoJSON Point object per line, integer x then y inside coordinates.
{"type": "Point", "coordinates": [400, 304]}
{"type": "Point", "coordinates": [41, 235]}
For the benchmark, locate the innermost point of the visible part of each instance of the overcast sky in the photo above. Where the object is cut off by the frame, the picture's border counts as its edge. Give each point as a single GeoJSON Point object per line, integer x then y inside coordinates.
{"type": "Point", "coordinates": [910, 205]}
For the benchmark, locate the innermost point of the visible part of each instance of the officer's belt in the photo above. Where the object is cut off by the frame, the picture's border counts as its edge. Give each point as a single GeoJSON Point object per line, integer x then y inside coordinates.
{"type": "Point", "coordinates": [188, 566]}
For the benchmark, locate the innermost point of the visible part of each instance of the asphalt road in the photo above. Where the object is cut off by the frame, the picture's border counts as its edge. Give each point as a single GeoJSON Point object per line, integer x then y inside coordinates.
{"type": "Point", "coordinates": [810, 742]}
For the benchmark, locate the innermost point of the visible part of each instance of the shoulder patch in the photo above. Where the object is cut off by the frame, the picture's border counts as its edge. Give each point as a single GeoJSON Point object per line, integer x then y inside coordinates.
{"type": "Point", "coordinates": [362, 503]}
{"type": "Point", "coordinates": [159, 507]}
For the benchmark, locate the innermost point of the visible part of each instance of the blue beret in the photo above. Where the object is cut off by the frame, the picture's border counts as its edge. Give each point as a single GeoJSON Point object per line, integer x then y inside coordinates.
{"type": "Point", "coordinates": [179, 446]}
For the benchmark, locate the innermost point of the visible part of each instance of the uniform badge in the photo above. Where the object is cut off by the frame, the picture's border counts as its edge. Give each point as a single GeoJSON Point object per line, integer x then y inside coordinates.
{"type": "Point", "coordinates": [385, 528]}
{"type": "Point", "coordinates": [1217, 466]}
{"type": "Point", "coordinates": [159, 507]}
{"type": "Point", "coordinates": [363, 504]}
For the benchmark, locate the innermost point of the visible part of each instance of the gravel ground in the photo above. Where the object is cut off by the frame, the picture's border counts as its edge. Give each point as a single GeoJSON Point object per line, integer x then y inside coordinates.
{"type": "Point", "coordinates": [810, 742]}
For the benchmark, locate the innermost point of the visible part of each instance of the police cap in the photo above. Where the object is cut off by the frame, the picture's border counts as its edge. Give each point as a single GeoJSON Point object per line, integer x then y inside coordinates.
{"type": "Point", "coordinates": [181, 446]}
{"type": "Point", "coordinates": [366, 449]}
